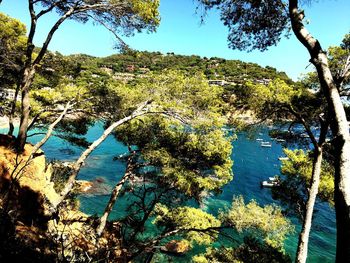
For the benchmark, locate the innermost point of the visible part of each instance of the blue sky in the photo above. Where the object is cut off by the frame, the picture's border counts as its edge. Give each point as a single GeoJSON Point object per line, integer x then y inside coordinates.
{"type": "Point", "coordinates": [180, 32]}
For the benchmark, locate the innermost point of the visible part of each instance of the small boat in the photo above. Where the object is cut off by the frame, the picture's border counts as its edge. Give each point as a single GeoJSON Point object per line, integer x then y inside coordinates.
{"type": "Point", "coordinates": [228, 129]}
{"type": "Point", "coordinates": [259, 140]}
{"type": "Point", "coordinates": [266, 144]}
{"type": "Point", "coordinates": [280, 140]}
{"type": "Point", "coordinates": [273, 181]}
{"type": "Point", "coordinates": [283, 158]}
{"type": "Point", "coordinates": [268, 184]}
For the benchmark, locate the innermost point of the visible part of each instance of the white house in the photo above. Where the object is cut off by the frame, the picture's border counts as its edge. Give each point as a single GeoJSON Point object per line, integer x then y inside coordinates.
{"type": "Point", "coordinates": [8, 94]}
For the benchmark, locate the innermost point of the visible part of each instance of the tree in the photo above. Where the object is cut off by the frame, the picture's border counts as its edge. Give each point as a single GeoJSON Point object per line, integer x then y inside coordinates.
{"type": "Point", "coordinates": [126, 15]}
{"type": "Point", "coordinates": [278, 101]}
{"type": "Point", "coordinates": [178, 142]}
{"type": "Point", "coordinates": [260, 24]}
{"type": "Point", "coordinates": [12, 50]}
{"type": "Point", "coordinates": [264, 230]}
{"type": "Point", "coordinates": [12, 44]}
{"type": "Point", "coordinates": [181, 152]}
{"type": "Point", "coordinates": [295, 187]}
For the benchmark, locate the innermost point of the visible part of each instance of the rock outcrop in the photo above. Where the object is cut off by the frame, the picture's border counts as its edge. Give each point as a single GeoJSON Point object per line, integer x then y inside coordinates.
{"type": "Point", "coordinates": [26, 183]}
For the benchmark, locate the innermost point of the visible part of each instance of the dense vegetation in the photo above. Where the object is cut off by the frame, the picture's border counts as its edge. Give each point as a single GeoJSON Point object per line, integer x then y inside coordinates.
{"type": "Point", "coordinates": [170, 115]}
{"type": "Point", "coordinates": [169, 111]}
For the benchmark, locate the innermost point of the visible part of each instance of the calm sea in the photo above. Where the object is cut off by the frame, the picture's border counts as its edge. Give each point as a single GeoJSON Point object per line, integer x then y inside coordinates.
{"type": "Point", "coordinates": [252, 164]}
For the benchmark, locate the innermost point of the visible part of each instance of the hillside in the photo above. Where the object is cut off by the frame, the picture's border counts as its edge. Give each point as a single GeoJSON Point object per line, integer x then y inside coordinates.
{"type": "Point", "coordinates": [127, 66]}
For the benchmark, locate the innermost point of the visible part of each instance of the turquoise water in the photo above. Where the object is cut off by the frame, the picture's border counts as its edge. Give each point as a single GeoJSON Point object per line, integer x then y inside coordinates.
{"type": "Point", "coordinates": [252, 164]}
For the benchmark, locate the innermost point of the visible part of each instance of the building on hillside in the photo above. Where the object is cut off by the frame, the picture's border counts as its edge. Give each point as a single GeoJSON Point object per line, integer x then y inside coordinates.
{"type": "Point", "coordinates": [123, 76]}
{"type": "Point", "coordinates": [219, 82]}
{"type": "Point", "coordinates": [263, 81]}
{"type": "Point", "coordinates": [130, 68]}
{"type": "Point", "coordinates": [144, 70]}
{"type": "Point", "coordinates": [8, 94]}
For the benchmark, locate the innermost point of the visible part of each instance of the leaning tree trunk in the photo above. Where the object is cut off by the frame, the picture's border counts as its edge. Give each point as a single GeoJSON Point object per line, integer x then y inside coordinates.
{"type": "Point", "coordinates": [28, 76]}
{"type": "Point", "coordinates": [29, 70]}
{"type": "Point", "coordinates": [304, 235]}
{"type": "Point", "coordinates": [342, 199]}
{"type": "Point", "coordinates": [115, 193]}
{"type": "Point", "coordinates": [339, 127]}
{"type": "Point", "coordinates": [305, 231]}
{"type": "Point", "coordinates": [141, 110]}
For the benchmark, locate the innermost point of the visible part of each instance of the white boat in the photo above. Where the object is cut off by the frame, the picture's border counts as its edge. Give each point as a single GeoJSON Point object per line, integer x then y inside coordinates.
{"type": "Point", "coordinates": [228, 129]}
{"type": "Point", "coordinates": [268, 184]}
{"type": "Point", "coordinates": [266, 144]}
{"type": "Point", "coordinates": [283, 158]}
{"type": "Point", "coordinates": [273, 181]}
{"type": "Point", "coordinates": [280, 140]}
{"type": "Point", "coordinates": [259, 140]}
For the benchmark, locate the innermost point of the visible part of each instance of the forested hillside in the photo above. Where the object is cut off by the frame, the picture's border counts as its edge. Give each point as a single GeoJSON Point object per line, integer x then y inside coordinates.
{"type": "Point", "coordinates": [134, 64]}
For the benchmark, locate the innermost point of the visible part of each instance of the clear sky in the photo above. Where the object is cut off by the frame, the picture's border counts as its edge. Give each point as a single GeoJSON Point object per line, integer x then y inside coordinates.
{"type": "Point", "coordinates": [180, 32]}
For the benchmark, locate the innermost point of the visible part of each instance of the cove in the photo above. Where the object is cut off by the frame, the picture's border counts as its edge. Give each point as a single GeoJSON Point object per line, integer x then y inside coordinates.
{"type": "Point", "coordinates": [252, 164]}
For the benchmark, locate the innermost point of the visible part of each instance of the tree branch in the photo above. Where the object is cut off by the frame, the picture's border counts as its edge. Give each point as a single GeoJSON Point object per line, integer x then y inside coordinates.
{"type": "Point", "coordinates": [141, 110]}
{"type": "Point", "coordinates": [44, 140]}
{"type": "Point", "coordinates": [50, 34]}
{"type": "Point", "coordinates": [49, 9]}
{"type": "Point", "coordinates": [121, 41]}
{"type": "Point", "coordinates": [115, 193]}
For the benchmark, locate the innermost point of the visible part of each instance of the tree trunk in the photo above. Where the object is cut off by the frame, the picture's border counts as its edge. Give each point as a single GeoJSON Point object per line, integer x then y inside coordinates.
{"type": "Point", "coordinates": [314, 184]}
{"type": "Point", "coordinates": [305, 232]}
{"type": "Point", "coordinates": [340, 131]}
{"type": "Point", "coordinates": [77, 165]}
{"type": "Point", "coordinates": [29, 70]}
{"type": "Point", "coordinates": [342, 200]}
{"type": "Point", "coordinates": [13, 111]}
{"type": "Point", "coordinates": [38, 145]}
{"type": "Point", "coordinates": [28, 76]}
{"type": "Point", "coordinates": [339, 127]}
{"type": "Point", "coordinates": [50, 129]}
{"type": "Point", "coordinates": [103, 220]}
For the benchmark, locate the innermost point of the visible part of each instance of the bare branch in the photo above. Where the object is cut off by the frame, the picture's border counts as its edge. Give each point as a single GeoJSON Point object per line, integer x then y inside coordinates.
{"type": "Point", "coordinates": [110, 29]}
{"type": "Point", "coordinates": [43, 140]}
{"type": "Point", "coordinates": [50, 35]}
{"type": "Point", "coordinates": [115, 193]}
{"type": "Point", "coordinates": [49, 9]}
{"type": "Point", "coordinates": [141, 110]}
{"type": "Point", "coordinates": [304, 123]}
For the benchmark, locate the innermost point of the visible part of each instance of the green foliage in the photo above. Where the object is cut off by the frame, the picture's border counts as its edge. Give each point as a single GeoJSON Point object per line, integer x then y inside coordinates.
{"type": "Point", "coordinates": [147, 10]}
{"type": "Point", "coordinates": [187, 218]}
{"type": "Point", "coordinates": [266, 223]}
{"type": "Point", "coordinates": [277, 92]}
{"type": "Point", "coordinates": [298, 171]}
{"type": "Point", "coordinates": [250, 251]}
{"type": "Point", "coordinates": [252, 24]}
{"type": "Point", "coordinates": [281, 102]}
{"type": "Point", "coordinates": [264, 230]}
{"type": "Point", "coordinates": [338, 62]}
{"type": "Point", "coordinates": [12, 48]}
{"type": "Point", "coordinates": [126, 15]}
{"type": "Point", "coordinates": [187, 146]}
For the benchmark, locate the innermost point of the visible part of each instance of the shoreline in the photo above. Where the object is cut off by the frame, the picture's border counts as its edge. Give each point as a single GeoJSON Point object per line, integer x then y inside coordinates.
{"type": "Point", "coordinates": [4, 122]}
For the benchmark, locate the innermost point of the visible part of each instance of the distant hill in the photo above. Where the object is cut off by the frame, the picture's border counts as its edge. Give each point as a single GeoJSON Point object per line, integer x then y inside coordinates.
{"type": "Point", "coordinates": [137, 62]}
